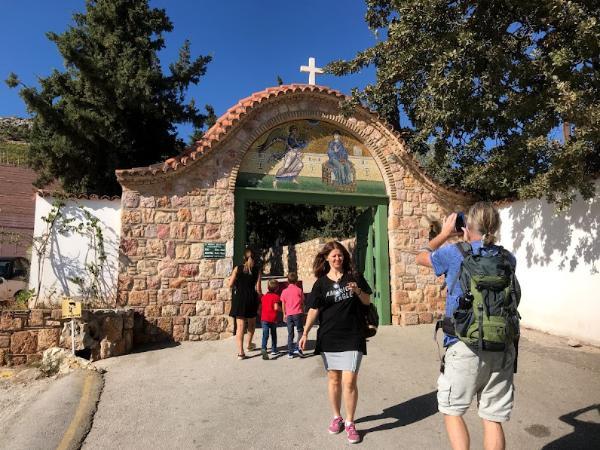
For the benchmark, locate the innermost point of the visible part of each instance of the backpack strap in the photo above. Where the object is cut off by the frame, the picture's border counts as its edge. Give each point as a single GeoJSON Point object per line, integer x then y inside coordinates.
{"type": "Point", "coordinates": [514, 287]}
{"type": "Point", "coordinates": [465, 250]}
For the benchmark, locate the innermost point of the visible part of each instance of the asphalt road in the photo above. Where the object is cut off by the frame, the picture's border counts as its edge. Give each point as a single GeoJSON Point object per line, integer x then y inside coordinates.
{"type": "Point", "coordinates": [198, 395]}
{"type": "Point", "coordinates": [57, 416]}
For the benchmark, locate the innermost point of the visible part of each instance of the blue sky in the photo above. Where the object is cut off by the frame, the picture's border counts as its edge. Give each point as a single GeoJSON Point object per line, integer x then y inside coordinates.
{"type": "Point", "coordinates": [251, 42]}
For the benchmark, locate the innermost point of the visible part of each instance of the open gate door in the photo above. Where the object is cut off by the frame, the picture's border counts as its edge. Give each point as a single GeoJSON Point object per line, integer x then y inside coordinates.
{"type": "Point", "coordinates": [372, 257]}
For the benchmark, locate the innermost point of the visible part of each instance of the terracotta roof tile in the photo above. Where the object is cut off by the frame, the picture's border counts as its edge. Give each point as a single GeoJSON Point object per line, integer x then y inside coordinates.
{"type": "Point", "coordinates": [233, 115]}
{"type": "Point", "coordinates": [58, 193]}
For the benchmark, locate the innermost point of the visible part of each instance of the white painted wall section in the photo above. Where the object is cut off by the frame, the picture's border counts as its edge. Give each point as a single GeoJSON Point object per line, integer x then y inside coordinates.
{"type": "Point", "coordinates": [558, 264]}
{"type": "Point", "coordinates": [67, 255]}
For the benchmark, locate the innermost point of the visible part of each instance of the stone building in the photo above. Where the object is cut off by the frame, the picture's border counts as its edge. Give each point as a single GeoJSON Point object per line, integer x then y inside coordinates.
{"type": "Point", "coordinates": [176, 214]}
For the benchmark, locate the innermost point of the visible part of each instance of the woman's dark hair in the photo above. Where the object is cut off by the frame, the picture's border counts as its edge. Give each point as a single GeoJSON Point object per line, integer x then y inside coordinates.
{"type": "Point", "coordinates": [321, 265]}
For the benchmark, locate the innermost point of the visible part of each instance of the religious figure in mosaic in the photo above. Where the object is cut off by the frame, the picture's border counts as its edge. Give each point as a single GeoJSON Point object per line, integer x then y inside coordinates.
{"type": "Point", "coordinates": [291, 162]}
{"type": "Point", "coordinates": [309, 155]}
{"type": "Point", "coordinates": [338, 160]}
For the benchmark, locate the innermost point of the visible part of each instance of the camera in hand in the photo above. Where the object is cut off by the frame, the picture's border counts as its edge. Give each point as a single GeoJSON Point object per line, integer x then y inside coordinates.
{"type": "Point", "coordinates": [460, 222]}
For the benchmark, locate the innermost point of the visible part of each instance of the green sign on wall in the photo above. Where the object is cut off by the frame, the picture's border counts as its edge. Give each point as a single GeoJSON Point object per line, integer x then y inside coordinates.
{"type": "Point", "coordinates": [214, 250]}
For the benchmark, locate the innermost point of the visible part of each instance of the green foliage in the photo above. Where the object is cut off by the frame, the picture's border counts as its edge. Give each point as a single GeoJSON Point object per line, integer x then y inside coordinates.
{"type": "Point", "coordinates": [113, 107]}
{"type": "Point", "coordinates": [22, 298]}
{"type": "Point", "coordinates": [284, 224]}
{"type": "Point", "coordinates": [486, 87]}
{"type": "Point", "coordinates": [211, 119]}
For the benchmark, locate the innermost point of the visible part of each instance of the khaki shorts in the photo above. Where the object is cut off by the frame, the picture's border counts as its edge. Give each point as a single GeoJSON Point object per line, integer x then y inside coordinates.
{"type": "Point", "coordinates": [489, 376]}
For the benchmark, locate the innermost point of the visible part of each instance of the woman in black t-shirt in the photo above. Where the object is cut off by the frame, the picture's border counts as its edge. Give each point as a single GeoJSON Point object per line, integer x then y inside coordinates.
{"type": "Point", "coordinates": [338, 297]}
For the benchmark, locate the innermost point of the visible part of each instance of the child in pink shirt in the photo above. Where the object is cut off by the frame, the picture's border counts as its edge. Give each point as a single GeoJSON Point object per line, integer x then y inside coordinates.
{"type": "Point", "coordinates": [292, 300]}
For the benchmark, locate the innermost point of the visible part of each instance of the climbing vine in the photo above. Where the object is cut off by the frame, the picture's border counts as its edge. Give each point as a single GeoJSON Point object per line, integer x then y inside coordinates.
{"type": "Point", "coordinates": [82, 222]}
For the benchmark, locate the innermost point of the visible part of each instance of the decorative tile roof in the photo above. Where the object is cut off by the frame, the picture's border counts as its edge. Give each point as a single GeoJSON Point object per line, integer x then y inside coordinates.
{"type": "Point", "coordinates": [232, 116]}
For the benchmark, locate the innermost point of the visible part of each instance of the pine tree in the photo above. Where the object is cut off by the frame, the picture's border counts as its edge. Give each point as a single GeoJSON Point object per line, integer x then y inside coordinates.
{"type": "Point", "coordinates": [487, 87]}
{"type": "Point", "coordinates": [112, 107]}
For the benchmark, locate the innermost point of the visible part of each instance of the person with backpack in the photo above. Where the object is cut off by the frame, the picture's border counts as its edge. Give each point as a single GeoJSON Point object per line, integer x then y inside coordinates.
{"type": "Point", "coordinates": [481, 324]}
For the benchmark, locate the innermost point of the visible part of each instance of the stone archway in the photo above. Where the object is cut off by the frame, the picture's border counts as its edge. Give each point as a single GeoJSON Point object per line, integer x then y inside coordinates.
{"type": "Point", "coordinates": [171, 210]}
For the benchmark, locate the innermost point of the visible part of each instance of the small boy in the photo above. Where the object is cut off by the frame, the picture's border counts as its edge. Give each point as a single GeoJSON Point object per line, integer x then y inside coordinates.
{"type": "Point", "coordinates": [268, 317]}
{"type": "Point", "coordinates": [292, 299]}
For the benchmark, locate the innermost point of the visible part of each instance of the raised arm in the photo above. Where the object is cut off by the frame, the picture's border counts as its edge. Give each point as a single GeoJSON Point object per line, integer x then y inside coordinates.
{"type": "Point", "coordinates": [365, 298]}
{"type": "Point", "coordinates": [423, 258]}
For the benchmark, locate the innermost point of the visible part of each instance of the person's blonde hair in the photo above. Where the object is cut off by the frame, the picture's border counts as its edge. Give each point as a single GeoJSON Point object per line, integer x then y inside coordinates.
{"type": "Point", "coordinates": [484, 218]}
{"type": "Point", "coordinates": [248, 260]}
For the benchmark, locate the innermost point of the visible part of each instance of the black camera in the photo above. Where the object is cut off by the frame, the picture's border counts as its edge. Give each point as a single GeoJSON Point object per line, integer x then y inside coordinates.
{"type": "Point", "coordinates": [460, 222]}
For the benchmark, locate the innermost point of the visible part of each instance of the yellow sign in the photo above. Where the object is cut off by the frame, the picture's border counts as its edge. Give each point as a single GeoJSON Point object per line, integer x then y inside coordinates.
{"type": "Point", "coordinates": [71, 309]}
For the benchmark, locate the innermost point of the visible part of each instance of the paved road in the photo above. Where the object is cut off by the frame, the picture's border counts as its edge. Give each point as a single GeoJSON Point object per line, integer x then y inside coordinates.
{"type": "Point", "coordinates": [197, 395]}
{"type": "Point", "coordinates": [55, 414]}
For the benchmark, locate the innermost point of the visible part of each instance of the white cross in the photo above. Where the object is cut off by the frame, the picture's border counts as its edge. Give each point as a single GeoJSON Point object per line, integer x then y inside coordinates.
{"type": "Point", "coordinates": [312, 70]}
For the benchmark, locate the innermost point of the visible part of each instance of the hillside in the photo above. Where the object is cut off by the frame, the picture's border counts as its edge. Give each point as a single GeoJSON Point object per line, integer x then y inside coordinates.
{"type": "Point", "coordinates": [14, 134]}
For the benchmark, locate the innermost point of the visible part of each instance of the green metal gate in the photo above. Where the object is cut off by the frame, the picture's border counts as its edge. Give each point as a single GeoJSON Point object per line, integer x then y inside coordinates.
{"type": "Point", "coordinates": [372, 254]}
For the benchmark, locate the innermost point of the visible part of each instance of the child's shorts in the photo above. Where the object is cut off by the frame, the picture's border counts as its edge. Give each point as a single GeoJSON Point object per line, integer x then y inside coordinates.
{"type": "Point", "coordinates": [466, 374]}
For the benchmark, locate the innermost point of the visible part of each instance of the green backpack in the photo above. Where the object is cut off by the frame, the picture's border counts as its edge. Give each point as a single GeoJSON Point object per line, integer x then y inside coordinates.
{"type": "Point", "coordinates": [487, 316]}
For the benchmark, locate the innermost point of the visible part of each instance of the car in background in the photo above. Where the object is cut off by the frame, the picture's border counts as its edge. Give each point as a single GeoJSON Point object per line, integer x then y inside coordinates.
{"type": "Point", "coordinates": [14, 272]}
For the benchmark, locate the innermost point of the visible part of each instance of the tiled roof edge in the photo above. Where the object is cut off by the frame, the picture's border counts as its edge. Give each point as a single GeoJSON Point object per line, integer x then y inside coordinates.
{"type": "Point", "coordinates": [62, 194]}
{"type": "Point", "coordinates": [222, 126]}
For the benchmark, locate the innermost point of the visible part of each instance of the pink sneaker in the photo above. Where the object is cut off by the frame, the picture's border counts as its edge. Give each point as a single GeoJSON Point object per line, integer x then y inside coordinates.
{"type": "Point", "coordinates": [353, 436]}
{"type": "Point", "coordinates": [336, 426]}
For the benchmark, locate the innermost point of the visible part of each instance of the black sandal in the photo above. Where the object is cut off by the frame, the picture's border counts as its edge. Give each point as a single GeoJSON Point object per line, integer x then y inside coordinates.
{"type": "Point", "coordinates": [242, 356]}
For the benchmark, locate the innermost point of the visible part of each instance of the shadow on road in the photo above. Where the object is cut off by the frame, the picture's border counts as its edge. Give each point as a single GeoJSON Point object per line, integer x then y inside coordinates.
{"type": "Point", "coordinates": [153, 346]}
{"type": "Point", "coordinates": [586, 435]}
{"type": "Point", "coordinates": [405, 413]}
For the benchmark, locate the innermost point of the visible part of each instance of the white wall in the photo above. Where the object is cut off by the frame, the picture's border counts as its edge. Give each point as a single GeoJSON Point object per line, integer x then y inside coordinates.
{"type": "Point", "coordinates": [558, 264]}
{"type": "Point", "coordinates": [67, 255]}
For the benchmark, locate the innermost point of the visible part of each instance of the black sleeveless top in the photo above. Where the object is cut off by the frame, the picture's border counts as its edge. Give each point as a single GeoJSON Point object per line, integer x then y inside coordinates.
{"type": "Point", "coordinates": [244, 299]}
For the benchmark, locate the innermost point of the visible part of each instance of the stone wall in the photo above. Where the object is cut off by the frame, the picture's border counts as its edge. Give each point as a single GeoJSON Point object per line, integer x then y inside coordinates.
{"type": "Point", "coordinates": [164, 277]}
{"type": "Point", "coordinates": [298, 258]}
{"type": "Point", "coordinates": [25, 334]}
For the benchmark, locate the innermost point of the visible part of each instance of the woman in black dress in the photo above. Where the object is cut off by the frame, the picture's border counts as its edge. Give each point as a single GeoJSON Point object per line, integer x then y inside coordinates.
{"type": "Point", "coordinates": [338, 298]}
{"type": "Point", "coordinates": [245, 284]}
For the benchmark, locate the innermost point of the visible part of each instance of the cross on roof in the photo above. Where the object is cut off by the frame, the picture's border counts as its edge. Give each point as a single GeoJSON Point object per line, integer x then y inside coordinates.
{"type": "Point", "coordinates": [312, 70]}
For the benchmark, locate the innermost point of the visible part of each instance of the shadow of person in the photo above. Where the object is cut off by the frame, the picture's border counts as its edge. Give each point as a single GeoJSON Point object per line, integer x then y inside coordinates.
{"type": "Point", "coordinates": [586, 435]}
{"type": "Point", "coordinates": [405, 413]}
